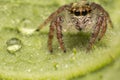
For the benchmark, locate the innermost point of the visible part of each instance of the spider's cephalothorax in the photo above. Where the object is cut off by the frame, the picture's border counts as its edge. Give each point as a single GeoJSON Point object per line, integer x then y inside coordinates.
{"type": "Point", "coordinates": [80, 9]}
{"type": "Point", "coordinates": [81, 15]}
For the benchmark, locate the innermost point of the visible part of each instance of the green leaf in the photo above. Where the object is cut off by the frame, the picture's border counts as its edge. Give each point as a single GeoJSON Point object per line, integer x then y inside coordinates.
{"type": "Point", "coordinates": [33, 61]}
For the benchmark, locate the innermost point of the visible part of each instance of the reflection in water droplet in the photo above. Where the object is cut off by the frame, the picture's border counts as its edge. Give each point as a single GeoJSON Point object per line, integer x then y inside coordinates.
{"type": "Point", "coordinates": [13, 45]}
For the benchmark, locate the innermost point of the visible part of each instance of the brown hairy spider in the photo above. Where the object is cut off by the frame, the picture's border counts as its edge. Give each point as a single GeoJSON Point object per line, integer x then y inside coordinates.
{"type": "Point", "coordinates": [82, 15]}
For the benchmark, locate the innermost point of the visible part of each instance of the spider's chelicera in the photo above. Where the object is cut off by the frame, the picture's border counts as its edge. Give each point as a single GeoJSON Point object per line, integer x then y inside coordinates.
{"type": "Point", "coordinates": [81, 15]}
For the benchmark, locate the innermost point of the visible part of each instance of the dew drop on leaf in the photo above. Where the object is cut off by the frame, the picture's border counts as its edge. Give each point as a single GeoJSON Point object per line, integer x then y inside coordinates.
{"type": "Point", "coordinates": [26, 28]}
{"type": "Point", "coordinates": [13, 45]}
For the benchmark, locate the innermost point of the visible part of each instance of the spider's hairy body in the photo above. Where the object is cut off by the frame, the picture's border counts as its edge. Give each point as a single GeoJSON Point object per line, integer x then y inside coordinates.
{"type": "Point", "coordinates": [82, 15]}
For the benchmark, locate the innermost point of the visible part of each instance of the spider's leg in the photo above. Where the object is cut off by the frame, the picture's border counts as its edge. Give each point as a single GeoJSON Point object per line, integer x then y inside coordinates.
{"type": "Point", "coordinates": [103, 28]}
{"type": "Point", "coordinates": [109, 20]}
{"type": "Point", "coordinates": [105, 13]}
{"type": "Point", "coordinates": [50, 37]}
{"type": "Point", "coordinates": [52, 16]}
{"type": "Point", "coordinates": [95, 33]}
{"type": "Point", "coordinates": [59, 33]}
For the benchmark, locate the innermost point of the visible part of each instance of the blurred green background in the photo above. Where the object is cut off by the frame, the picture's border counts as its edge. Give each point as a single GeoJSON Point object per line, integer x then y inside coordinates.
{"type": "Point", "coordinates": [33, 61]}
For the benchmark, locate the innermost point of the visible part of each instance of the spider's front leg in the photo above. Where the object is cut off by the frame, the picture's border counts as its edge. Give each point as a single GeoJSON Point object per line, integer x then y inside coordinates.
{"type": "Point", "coordinates": [106, 18]}
{"type": "Point", "coordinates": [56, 24]}
{"type": "Point", "coordinates": [52, 16]}
{"type": "Point", "coordinates": [50, 37]}
{"type": "Point", "coordinates": [59, 21]}
{"type": "Point", "coordinates": [104, 12]}
{"type": "Point", "coordinates": [95, 32]}
{"type": "Point", "coordinates": [103, 28]}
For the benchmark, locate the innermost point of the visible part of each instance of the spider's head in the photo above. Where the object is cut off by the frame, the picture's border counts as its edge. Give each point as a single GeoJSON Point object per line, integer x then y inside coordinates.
{"type": "Point", "coordinates": [81, 8]}
{"type": "Point", "coordinates": [79, 13]}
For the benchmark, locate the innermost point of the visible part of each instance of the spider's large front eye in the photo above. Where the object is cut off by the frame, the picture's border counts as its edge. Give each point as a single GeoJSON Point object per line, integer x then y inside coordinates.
{"type": "Point", "coordinates": [84, 13]}
{"type": "Point", "coordinates": [77, 13]}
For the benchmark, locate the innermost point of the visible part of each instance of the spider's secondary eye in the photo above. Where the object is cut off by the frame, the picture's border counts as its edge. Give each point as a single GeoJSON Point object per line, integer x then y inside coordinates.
{"type": "Point", "coordinates": [84, 13]}
{"type": "Point", "coordinates": [77, 13]}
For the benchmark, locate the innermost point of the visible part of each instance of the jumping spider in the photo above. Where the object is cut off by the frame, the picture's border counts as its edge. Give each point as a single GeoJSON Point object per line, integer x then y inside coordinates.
{"type": "Point", "coordinates": [81, 15]}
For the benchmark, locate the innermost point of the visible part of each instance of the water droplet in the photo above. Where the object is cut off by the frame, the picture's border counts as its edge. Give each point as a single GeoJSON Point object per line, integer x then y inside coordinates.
{"type": "Point", "coordinates": [13, 45]}
{"type": "Point", "coordinates": [26, 27]}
